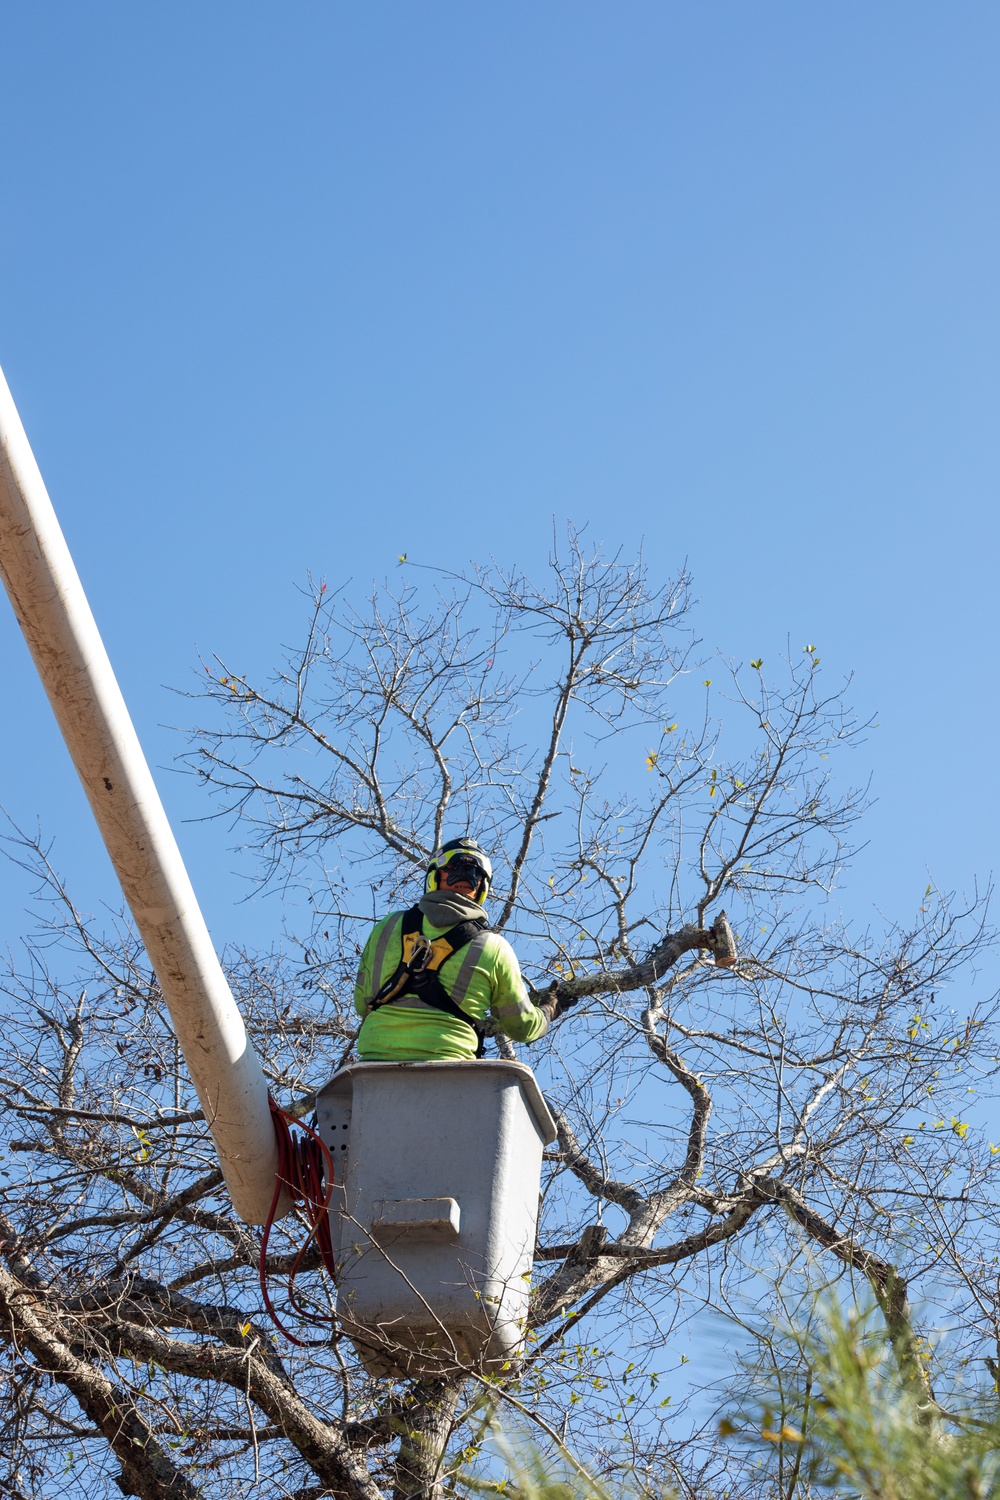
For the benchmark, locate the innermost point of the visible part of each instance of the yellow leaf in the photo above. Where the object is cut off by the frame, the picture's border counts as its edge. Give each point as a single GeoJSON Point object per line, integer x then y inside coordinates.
{"type": "Point", "coordinates": [785, 1434]}
{"type": "Point", "coordinates": [669, 728]}
{"type": "Point", "coordinates": [726, 1428]}
{"type": "Point", "coordinates": [651, 760]}
{"type": "Point", "coordinates": [245, 1329]}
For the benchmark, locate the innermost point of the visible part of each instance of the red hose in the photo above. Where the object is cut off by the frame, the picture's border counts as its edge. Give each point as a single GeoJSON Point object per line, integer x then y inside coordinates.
{"type": "Point", "coordinates": [301, 1162]}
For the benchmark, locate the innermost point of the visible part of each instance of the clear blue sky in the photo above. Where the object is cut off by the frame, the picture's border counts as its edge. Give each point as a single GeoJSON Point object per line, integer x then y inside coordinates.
{"type": "Point", "coordinates": [304, 286]}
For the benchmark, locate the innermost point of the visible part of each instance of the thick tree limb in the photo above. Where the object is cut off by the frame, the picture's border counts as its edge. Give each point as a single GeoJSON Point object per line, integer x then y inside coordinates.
{"type": "Point", "coordinates": [681, 1188]}
{"type": "Point", "coordinates": [654, 966]}
{"type": "Point", "coordinates": [147, 1470]}
{"type": "Point", "coordinates": [321, 1444]}
{"type": "Point", "coordinates": [595, 1267]}
{"type": "Point", "coordinates": [887, 1284]}
{"type": "Point", "coordinates": [143, 1298]}
{"type": "Point", "coordinates": [426, 1428]}
{"type": "Point", "coordinates": [613, 1264]}
{"type": "Point", "coordinates": [597, 1182]}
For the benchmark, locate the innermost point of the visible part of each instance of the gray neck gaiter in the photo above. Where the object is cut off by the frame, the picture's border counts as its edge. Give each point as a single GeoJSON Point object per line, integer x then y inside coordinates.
{"type": "Point", "coordinates": [447, 909]}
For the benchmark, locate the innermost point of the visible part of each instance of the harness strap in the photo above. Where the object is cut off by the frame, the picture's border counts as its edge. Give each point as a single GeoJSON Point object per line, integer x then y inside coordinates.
{"type": "Point", "coordinates": [384, 938]}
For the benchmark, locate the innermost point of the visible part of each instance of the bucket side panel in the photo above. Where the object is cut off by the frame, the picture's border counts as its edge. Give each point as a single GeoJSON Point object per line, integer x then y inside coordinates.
{"type": "Point", "coordinates": [418, 1137]}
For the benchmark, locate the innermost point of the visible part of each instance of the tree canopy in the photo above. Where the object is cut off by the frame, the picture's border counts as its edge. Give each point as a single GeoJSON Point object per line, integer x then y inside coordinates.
{"type": "Point", "coordinates": [719, 1125]}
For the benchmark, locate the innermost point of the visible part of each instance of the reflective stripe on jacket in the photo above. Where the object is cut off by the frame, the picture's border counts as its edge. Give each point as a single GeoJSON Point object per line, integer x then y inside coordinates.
{"type": "Point", "coordinates": [483, 978]}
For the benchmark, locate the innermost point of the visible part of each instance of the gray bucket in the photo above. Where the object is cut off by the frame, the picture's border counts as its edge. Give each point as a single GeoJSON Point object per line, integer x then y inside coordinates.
{"type": "Point", "coordinates": [437, 1170]}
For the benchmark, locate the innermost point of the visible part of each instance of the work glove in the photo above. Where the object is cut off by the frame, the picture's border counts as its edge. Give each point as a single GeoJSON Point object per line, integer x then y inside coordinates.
{"type": "Point", "coordinates": [557, 1005]}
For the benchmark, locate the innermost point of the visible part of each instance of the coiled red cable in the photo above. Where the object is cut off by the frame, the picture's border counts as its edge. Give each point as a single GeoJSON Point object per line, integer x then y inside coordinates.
{"type": "Point", "coordinates": [305, 1171]}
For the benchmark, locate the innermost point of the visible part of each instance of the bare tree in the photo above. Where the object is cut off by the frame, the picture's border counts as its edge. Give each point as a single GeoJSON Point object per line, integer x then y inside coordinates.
{"type": "Point", "coordinates": [715, 1120]}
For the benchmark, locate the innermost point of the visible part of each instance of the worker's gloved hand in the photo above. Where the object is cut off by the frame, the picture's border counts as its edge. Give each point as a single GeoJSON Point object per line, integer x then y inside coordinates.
{"type": "Point", "coordinates": [557, 1005]}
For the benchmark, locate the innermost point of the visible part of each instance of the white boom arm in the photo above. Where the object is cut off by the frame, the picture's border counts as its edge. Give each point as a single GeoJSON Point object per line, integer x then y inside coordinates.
{"type": "Point", "coordinates": [53, 612]}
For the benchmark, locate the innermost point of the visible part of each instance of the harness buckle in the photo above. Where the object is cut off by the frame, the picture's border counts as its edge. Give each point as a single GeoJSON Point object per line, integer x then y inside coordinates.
{"type": "Point", "coordinates": [420, 954]}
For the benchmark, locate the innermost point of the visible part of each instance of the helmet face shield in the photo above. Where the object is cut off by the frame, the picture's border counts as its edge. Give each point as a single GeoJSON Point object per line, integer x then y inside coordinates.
{"type": "Point", "coordinates": [462, 868]}
{"type": "Point", "coordinates": [464, 860]}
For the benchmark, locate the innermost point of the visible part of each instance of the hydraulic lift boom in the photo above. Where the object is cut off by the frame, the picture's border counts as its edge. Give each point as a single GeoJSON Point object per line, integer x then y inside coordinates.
{"type": "Point", "coordinates": [58, 625]}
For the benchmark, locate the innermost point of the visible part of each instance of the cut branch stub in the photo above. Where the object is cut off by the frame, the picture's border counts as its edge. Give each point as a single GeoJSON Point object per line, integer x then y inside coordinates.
{"type": "Point", "coordinates": [724, 942]}
{"type": "Point", "coordinates": [718, 939]}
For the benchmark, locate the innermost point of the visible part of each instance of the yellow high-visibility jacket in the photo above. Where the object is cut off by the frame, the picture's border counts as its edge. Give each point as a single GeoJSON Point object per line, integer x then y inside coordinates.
{"type": "Point", "coordinates": [484, 978]}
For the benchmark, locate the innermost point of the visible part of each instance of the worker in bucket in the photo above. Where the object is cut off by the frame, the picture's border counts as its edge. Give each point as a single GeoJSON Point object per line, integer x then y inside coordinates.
{"type": "Point", "coordinates": [430, 976]}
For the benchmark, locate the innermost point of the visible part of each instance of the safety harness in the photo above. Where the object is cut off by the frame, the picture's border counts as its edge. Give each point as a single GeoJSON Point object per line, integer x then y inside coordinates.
{"type": "Point", "coordinates": [417, 973]}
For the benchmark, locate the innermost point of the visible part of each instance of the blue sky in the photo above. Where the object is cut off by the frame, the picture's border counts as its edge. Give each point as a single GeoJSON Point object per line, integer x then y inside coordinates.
{"type": "Point", "coordinates": [303, 287]}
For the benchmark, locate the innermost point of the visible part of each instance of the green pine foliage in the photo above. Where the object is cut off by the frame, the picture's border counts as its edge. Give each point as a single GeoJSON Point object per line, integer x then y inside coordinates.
{"type": "Point", "coordinates": [832, 1417]}
{"type": "Point", "coordinates": [838, 1418]}
{"type": "Point", "coordinates": [527, 1472]}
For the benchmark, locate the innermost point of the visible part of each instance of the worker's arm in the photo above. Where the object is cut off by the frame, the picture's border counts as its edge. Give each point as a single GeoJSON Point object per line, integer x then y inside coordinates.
{"type": "Point", "coordinates": [510, 1006]}
{"type": "Point", "coordinates": [364, 988]}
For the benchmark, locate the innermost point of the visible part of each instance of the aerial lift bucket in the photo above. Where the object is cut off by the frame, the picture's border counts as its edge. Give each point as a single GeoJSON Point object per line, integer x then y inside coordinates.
{"type": "Point", "coordinates": [437, 1168]}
